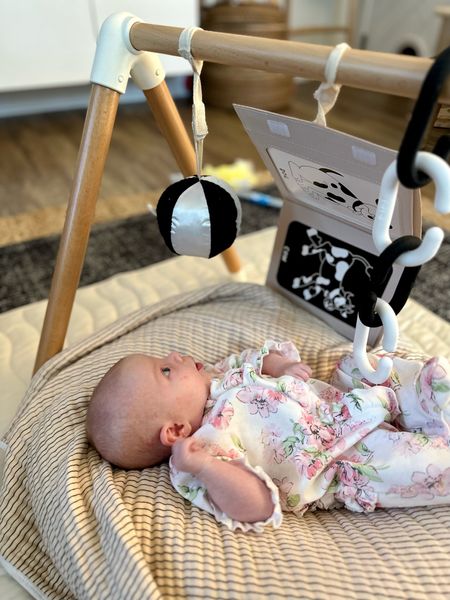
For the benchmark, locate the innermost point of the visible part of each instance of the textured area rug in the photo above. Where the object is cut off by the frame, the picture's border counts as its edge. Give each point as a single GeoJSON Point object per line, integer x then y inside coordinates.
{"type": "Point", "coordinates": [26, 268]}
{"type": "Point", "coordinates": [114, 247]}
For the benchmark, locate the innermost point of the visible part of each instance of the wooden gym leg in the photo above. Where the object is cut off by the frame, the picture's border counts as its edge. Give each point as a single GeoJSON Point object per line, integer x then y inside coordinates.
{"type": "Point", "coordinates": [169, 121]}
{"type": "Point", "coordinates": [92, 155]}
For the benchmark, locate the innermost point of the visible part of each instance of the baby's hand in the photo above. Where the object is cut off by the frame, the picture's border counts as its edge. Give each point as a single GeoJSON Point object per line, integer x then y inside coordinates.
{"type": "Point", "coordinates": [189, 455]}
{"type": "Point", "coordinates": [276, 366]}
{"type": "Point", "coordinates": [298, 369]}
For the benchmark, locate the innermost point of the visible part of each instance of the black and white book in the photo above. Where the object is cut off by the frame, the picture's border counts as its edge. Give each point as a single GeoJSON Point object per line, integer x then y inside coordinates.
{"type": "Point", "coordinates": [330, 182]}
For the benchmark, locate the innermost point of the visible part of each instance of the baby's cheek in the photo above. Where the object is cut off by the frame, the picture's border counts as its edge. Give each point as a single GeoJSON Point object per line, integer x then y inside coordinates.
{"type": "Point", "coordinates": [186, 378]}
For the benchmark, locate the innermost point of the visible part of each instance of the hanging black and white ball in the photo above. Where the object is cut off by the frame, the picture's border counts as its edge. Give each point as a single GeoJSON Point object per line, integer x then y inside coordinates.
{"type": "Point", "coordinates": [199, 217]}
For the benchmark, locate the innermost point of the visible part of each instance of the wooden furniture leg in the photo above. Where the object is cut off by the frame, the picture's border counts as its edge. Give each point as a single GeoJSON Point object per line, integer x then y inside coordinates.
{"type": "Point", "coordinates": [92, 155]}
{"type": "Point", "coordinates": [169, 121]}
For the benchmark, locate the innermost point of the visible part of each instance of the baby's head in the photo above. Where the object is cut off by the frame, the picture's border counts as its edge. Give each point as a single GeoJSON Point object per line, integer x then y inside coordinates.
{"type": "Point", "coordinates": [143, 405]}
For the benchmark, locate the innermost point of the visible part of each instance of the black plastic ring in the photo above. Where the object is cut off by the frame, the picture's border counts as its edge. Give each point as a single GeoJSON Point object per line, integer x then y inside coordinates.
{"type": "Point", "coordinates": [381, 273]}
{"type": "Point", "coordinates": [408, 174]}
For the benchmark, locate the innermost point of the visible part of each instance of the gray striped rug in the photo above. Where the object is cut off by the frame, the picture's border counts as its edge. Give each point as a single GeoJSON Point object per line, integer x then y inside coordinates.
{"type": "Point", "coordinates": [26, 268]}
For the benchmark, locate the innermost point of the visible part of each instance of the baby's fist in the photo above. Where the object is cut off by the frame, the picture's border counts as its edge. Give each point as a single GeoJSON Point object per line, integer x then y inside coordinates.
{"type": "Point", "coordinates": [300, 370]}
{"type": "Point", "coordinates": [276, 366]}
{"type": "Point", "coordinates": [189, 455]}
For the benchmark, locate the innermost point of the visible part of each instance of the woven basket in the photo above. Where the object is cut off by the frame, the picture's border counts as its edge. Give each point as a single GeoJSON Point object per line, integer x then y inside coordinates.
{"type": "Point", "coordinates": [223, 85]}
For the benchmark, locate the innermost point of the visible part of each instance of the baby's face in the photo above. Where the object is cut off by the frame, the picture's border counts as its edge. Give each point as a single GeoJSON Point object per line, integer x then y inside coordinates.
{"type": "Point", "coordinates": [177, 383]}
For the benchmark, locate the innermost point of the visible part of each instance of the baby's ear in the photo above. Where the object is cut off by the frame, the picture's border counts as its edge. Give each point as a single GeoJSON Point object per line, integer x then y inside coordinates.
{"type": "Point", "coordinates": [171, 432]}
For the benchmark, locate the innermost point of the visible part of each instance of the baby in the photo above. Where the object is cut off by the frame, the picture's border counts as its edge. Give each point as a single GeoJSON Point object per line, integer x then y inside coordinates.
{"type": "Point", "coordinates": [255, 434]}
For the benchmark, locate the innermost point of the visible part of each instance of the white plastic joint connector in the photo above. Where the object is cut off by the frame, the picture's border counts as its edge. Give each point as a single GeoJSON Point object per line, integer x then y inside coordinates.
{"type": "Point", "coordinates": [116, 59]}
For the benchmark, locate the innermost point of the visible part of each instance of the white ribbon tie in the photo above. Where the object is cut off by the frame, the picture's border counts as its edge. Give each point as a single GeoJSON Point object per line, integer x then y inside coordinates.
{"type": "Point", "coordinates": [328, 92]}
{"type": "Point", "coordinates": [199, 125]}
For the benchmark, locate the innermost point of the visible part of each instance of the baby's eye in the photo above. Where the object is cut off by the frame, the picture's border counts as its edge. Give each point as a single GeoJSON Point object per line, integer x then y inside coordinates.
{"type": "Point", "coordinates": [165, 371]}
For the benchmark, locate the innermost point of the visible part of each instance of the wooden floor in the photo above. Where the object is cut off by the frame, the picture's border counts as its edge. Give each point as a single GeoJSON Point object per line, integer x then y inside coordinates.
{"type": "Point", "coordinates": [38, 156]}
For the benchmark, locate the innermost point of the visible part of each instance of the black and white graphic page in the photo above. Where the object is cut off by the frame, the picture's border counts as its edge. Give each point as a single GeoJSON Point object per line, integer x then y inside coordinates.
{"type": "Point", "coordinates": [323, 271]}
{"type": "Point", "coordinates": [329, 190]}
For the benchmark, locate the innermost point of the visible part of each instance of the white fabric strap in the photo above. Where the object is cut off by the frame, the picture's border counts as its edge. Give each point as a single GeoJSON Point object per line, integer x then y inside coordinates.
{"type": "Point", "coordinates": [327, 92]}
{"type": "Point", "coordinates": [199, 125]}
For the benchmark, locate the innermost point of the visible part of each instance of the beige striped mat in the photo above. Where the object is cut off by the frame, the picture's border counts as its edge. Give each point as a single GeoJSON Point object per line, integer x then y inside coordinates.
{"type": "Point", "coordinates": [74, 527]}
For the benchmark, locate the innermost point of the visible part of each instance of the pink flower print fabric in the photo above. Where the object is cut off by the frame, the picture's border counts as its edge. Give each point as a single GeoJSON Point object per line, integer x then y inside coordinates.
{"type": "Point", "coordinates": [402, 469]}
{"type": "Point", "coordinates": [433, 392]}
{"type": "Point", "coordinates": [260, 400]}
{"type": "Point", "coordinates": [317, 445]}
{"type": "Point", "coordinates": [422, 391]}
{"type": "Point", "coordinates": [352, 486]}
{"type": "Point", "coordinates": [428, 485]}
{"type": "Point", "coordinates": [222, 416]}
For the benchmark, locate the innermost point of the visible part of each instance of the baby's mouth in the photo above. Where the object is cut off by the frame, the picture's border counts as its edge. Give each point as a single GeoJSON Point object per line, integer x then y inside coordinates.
{"type": "Point", "coordinates": [199, 366]}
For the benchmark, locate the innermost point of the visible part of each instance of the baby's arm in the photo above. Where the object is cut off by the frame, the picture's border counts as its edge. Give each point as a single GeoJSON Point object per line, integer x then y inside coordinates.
{"type": "Point", "coordinates": [277, 359]}
{"type": "Point", "coordinates": [235, 490]}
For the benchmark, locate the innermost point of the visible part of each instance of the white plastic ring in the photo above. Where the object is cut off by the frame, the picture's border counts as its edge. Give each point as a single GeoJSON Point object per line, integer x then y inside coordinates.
{"type": "Point", "coordinates": [439, 171]}
{"type": "Point", "coordinates": [390, 338]}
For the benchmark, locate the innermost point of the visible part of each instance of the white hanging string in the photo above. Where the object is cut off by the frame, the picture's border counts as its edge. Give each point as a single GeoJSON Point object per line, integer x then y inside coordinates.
{"type": "Point", "coordinates": [199, 125]}
{"type": "Point", "coordinates": [328, 92]}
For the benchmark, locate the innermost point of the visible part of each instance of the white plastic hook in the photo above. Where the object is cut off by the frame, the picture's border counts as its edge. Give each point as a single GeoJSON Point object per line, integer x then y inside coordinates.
{"type": "Point", "coordinates": [439, 171]}
{"type": "Point", "coordinates": [390, 338]}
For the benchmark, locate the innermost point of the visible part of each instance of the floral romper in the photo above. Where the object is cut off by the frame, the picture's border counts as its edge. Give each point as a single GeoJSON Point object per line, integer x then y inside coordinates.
{"type": "Point", "coordinates": [317, 445]}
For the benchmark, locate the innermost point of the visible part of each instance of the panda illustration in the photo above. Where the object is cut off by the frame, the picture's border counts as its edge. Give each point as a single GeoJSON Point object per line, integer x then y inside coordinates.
{"type": "Point", "coordinates": [324, 184]}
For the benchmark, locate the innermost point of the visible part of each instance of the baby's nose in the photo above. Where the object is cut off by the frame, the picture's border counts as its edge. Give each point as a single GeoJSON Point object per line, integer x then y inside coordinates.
{"type": "Point", "coordinates": [175, 356]}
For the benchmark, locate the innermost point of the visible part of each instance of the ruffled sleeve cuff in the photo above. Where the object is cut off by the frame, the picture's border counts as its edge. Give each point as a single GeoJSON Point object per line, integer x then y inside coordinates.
{"type": "Point", "coordinates": [192, 489]}
{"type": "Point", "coordinates": [286, 349]}
{"type": "Point", "coordinates": [275, 518]}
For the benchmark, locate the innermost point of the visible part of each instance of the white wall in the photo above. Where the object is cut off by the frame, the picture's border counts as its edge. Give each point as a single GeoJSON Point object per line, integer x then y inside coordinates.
{"type": "Point", "coordinates": [308, 13]}
{"type": "Point", "coordinates": [389, 26]}
{"type": "Point", "coordinates": [47, 48]}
